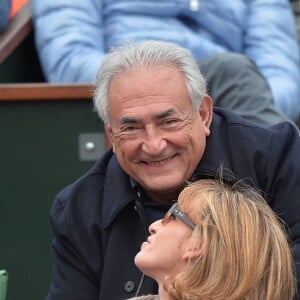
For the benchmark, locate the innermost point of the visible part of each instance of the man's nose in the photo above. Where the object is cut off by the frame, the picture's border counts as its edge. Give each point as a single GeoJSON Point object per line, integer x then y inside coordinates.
{"type": "Point", "coordinates": [154, 141]}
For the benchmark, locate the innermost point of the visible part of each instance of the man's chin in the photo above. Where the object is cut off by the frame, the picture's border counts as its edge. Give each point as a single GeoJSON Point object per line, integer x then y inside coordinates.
{"type": "Point", "coordinates": [162, 189]}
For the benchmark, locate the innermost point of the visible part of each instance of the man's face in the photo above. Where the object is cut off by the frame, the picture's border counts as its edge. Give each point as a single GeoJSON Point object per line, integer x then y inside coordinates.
{"type": "Point", "coordinates": [156, 136]}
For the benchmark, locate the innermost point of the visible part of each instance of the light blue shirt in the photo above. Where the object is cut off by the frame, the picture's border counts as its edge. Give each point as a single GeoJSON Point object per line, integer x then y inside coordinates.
{"type": "Point", "coordinates": [72, 37]}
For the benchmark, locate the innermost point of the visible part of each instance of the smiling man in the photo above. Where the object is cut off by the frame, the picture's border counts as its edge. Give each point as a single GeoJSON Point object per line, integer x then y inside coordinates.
{"type": "Point", "coordinates": [157, 136]}
{"type": "Point", "coordinates": [164, 132]}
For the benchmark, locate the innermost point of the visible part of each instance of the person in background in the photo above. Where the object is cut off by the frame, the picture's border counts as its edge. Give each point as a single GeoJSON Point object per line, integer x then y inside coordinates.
{"type": "Point", "coordinates": [164, 132]}
{"type": "Point", "coordinates": [219, 241]}
{"type": "Point", "coordinates": [296, 10]}
{"type": "Point", "coordinates": [4, 13]}
{"type": "Point", "coordinates": [262, 84]}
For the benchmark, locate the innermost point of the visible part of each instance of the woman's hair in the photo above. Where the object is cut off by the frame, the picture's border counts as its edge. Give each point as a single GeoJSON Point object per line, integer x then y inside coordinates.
{"type": "Point", "coordinates": [149, 54]}
{"type": "Point", "coordinates": [244, 250]}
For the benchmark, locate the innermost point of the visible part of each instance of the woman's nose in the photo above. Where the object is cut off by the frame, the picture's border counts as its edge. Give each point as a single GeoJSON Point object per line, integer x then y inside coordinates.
{"type": "Point", "coordinates": [154, 226]}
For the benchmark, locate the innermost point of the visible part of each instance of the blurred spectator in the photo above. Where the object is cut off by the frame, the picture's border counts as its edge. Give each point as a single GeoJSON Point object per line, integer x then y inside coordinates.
{"type": "Point", "coordinates": [16, 5]}
{"type": "Point", "coordinates": [296, 9]}
{"type": "Point", "coordinates": [72, 37]}
{"type": "Point", "coordinates": [4, 13]}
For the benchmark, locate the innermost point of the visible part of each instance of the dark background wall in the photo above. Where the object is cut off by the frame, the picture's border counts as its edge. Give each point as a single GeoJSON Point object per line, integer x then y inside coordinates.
{"type": "Point", "coordinates": [39, 155]}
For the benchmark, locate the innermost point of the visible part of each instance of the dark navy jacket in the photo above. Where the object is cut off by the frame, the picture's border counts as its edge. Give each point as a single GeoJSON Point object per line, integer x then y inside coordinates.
{"type": "Point", "coordinates": [98, 223]}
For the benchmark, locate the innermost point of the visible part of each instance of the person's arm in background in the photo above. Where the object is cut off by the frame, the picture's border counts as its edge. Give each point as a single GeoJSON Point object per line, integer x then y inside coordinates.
{"type": "Point", "coordinates": [69, 38]}
{"type": "Point", "coordinates": [4, 13]}
{"type": "Point", "coordinates": [270, 40]}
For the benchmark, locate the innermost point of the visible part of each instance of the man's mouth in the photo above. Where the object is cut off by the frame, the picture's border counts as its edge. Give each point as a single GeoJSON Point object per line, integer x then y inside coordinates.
{"type": "Point", "coordinates": [159, 162]}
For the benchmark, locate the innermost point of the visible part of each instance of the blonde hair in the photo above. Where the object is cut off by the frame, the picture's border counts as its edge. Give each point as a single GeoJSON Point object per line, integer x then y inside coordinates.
{"type": "Point", "coordinates": [245, 252]}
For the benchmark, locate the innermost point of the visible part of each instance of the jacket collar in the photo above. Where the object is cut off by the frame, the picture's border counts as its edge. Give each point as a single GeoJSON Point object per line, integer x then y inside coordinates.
{"type": "Point", "coordinates": [117, 191]}
{"type": "Point", "coordinates": [217, 152]}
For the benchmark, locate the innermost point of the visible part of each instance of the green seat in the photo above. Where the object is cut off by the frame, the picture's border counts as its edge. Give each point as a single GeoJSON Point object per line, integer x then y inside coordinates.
{"type": "Point", "coordinates": [3, 284]}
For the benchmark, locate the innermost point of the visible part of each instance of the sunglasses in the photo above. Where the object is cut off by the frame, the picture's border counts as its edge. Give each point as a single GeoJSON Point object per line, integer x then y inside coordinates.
{"type": "Point", "coordinates": [177, 212]}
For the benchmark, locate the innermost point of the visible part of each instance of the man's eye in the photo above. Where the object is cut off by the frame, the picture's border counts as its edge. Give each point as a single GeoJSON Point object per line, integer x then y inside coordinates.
{"type": "Point", "coordinates": [129, 129]}
{"type": "Point", "coordinates": [171, 121]}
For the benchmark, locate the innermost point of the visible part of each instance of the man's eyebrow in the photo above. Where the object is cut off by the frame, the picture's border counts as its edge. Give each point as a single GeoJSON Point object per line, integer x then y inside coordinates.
{"type": "Point", "coordinates": [128, 120]}
{"type": "Point", "coordinates": [165, 114]}
{"type": "Point", "coordinates": [161, 115]}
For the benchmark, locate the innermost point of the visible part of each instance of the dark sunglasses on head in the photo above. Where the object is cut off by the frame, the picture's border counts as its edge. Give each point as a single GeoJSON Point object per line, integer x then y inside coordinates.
{"type": "Point", "coordinates": [177, 212]}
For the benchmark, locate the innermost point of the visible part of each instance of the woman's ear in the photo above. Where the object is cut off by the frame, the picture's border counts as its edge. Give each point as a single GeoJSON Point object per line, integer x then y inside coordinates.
{"type": "Point", "coordinates": [193, 253]}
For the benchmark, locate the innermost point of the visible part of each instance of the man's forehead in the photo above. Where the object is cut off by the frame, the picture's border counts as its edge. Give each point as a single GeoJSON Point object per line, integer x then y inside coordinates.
{"type": "Point", "coordinates": [144, 81]}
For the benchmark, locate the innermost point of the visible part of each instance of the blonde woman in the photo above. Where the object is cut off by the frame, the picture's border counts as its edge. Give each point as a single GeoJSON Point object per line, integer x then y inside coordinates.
{"type": "Point", "coordinates": [218, 242]}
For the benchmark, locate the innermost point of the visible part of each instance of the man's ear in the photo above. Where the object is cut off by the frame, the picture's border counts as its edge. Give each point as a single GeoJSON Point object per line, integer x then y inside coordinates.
{"type": "Point", "coordinates": [206, 113]}
{"type": "Point", "coordinates": [110, 136]}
